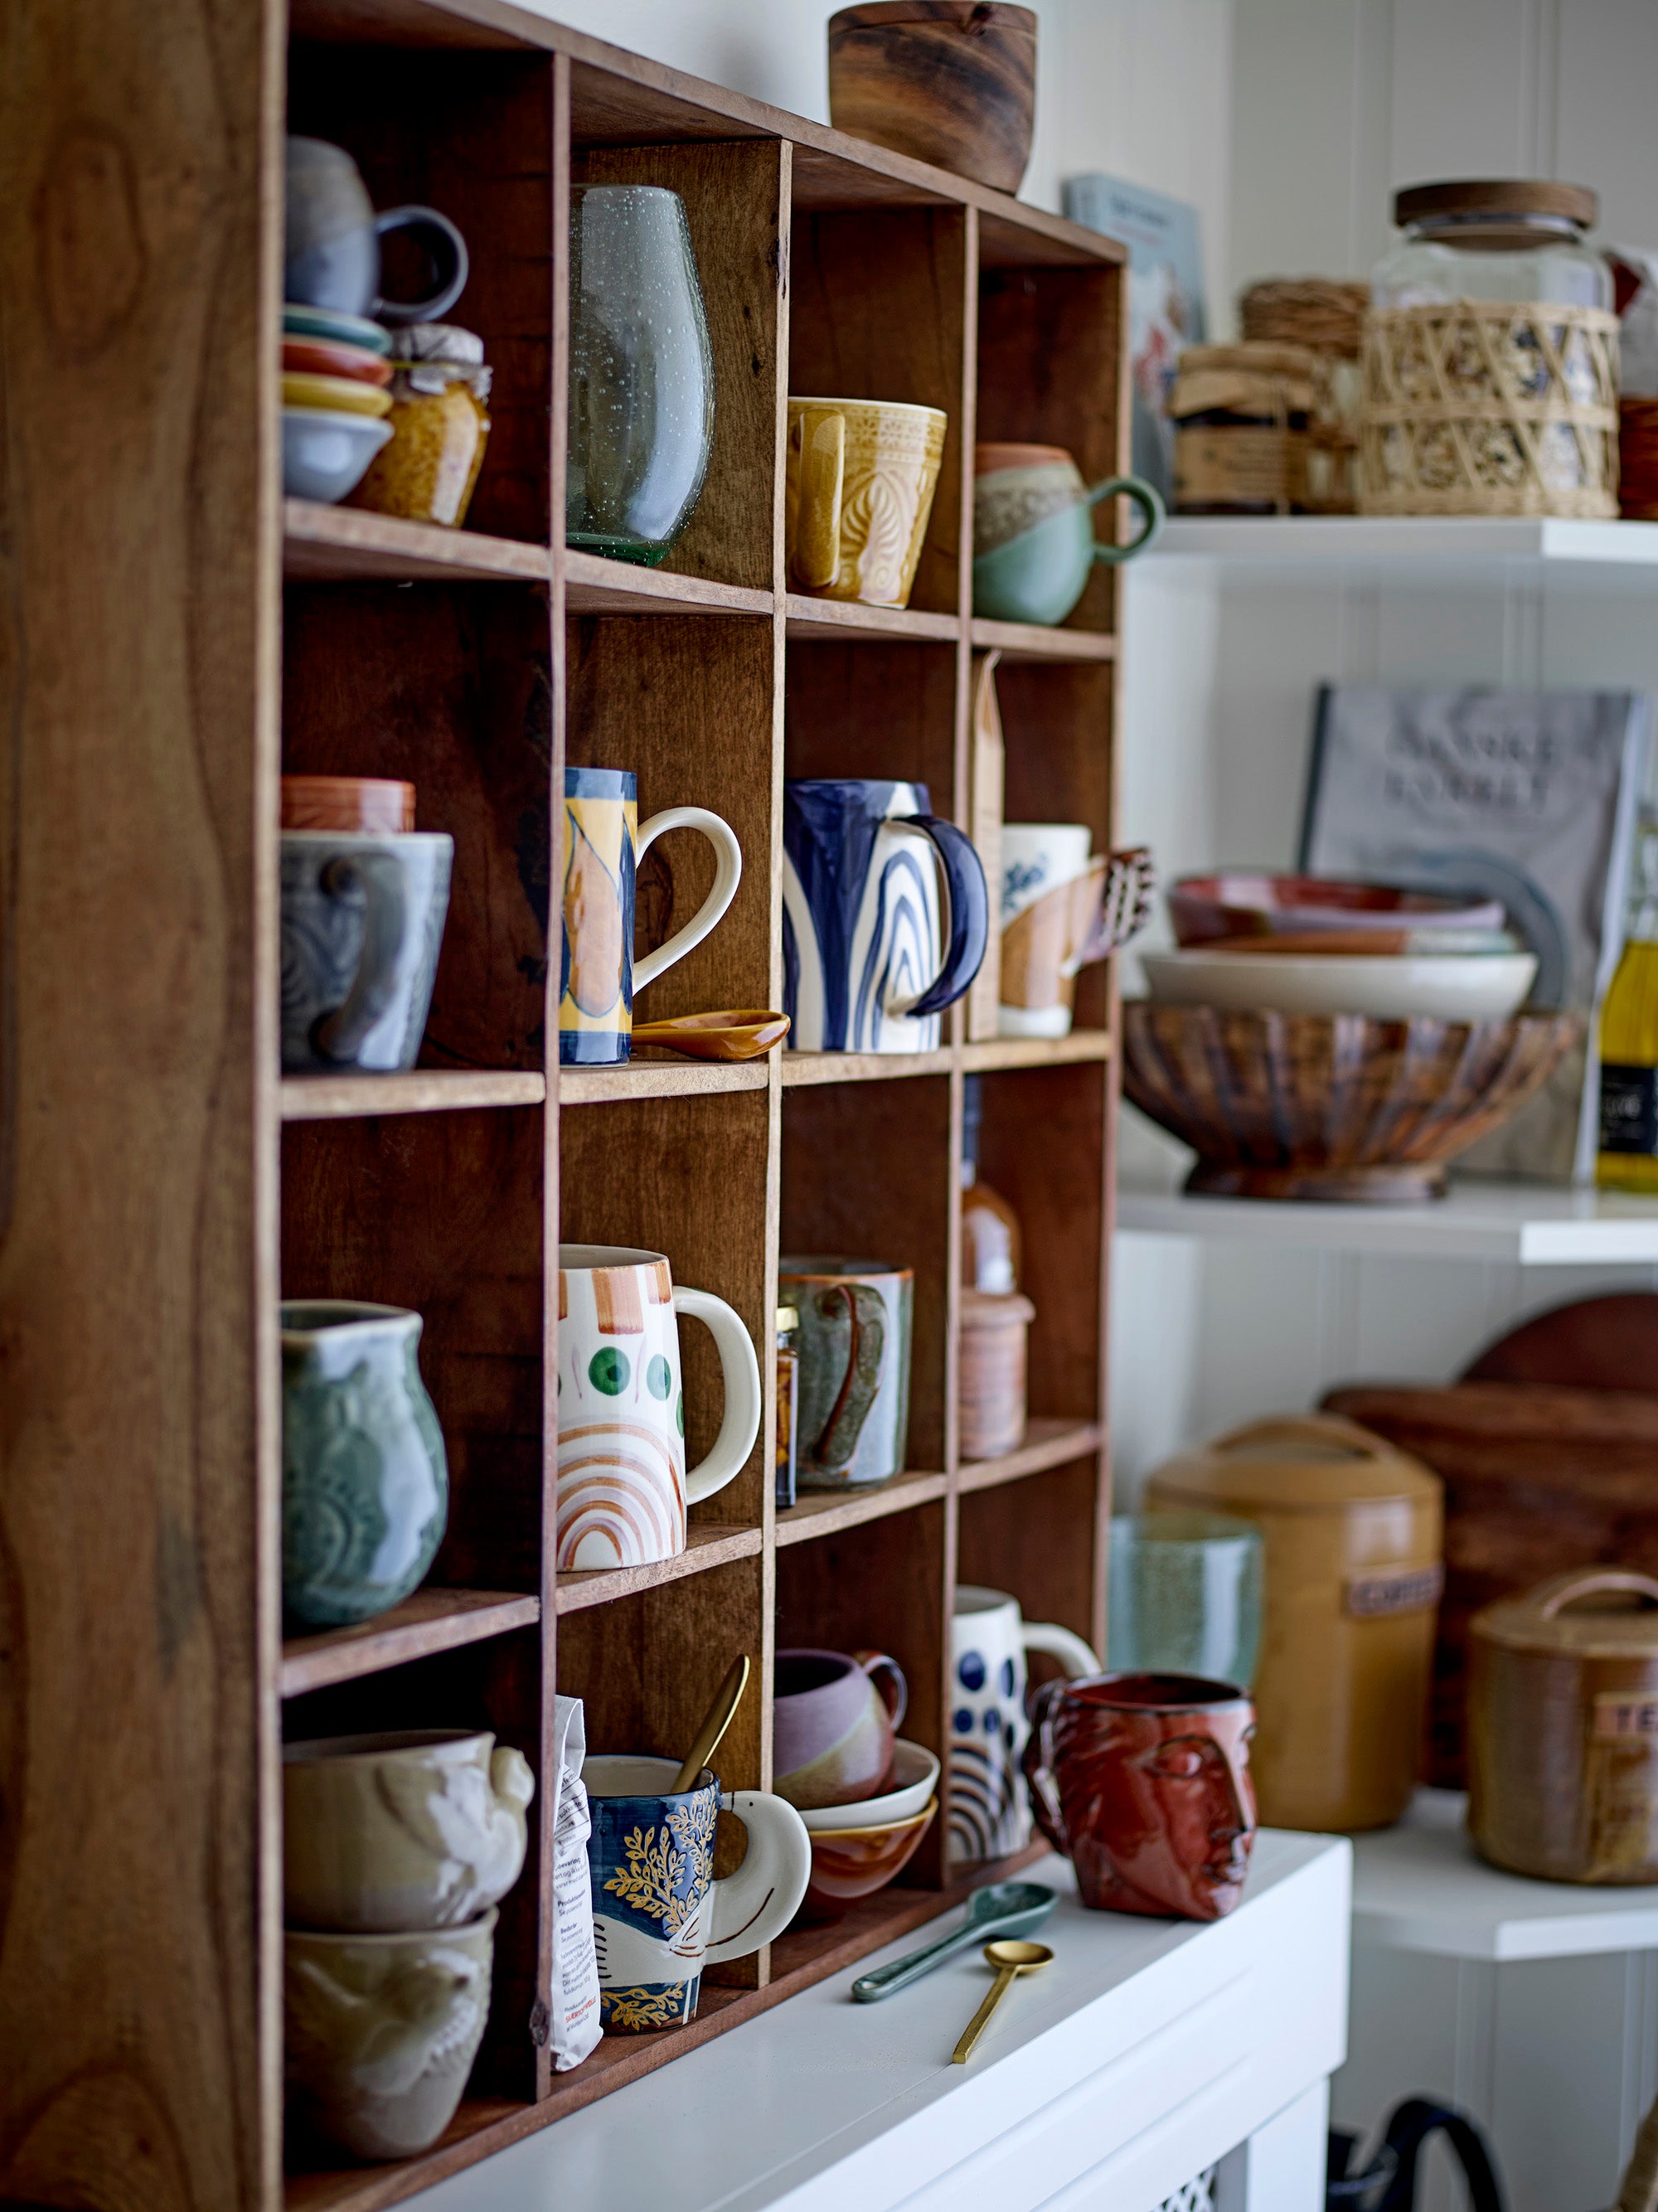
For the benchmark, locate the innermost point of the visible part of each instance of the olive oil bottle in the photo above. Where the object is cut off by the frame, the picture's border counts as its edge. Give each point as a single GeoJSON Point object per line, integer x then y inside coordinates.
{"type": "Point", "coordinates": [1629, 1038]}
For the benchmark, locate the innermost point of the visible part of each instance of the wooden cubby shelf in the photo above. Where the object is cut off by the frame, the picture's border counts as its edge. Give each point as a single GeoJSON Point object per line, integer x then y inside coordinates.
{"type": "Point", "coordinates": [431, 1620]}
{"type": "Point", "coordinates": [478, 663]}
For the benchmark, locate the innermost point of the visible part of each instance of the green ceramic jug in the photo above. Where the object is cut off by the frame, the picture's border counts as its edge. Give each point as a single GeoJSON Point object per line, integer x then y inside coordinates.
{"type": "Point", "coordinates": [365, 1478]}
{"type": "Point", "coordinates": [1040, 575]}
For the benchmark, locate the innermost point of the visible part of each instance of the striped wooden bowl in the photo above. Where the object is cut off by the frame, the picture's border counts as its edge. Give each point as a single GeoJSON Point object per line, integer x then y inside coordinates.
{"type": "Point", "coordinates": [1331, 1106]}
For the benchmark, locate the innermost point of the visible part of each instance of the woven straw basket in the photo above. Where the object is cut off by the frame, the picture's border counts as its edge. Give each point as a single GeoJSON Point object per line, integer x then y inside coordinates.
{"type": "Point", "coordinates": [1482, 407]}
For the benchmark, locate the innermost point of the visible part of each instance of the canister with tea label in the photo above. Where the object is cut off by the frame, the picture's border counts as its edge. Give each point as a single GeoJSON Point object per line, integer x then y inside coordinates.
{"type": "Point", "coordinates": [1351, 1575]}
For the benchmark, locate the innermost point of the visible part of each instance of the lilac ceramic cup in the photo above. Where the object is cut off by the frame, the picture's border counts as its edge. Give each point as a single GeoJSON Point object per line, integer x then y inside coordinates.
{"type": "Point", "coordinates": [834, 1719]}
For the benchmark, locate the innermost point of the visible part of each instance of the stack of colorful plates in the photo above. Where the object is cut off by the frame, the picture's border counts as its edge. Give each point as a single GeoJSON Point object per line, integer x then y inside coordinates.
{"type": "Point", "coordinates": [335, 374]}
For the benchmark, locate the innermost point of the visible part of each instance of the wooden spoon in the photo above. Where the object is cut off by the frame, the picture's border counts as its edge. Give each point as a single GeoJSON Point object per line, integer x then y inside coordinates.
{"type": "Point", "coordinates": [1011, 1960]}
{"type": "Point", "coordinates": [718, 1718]}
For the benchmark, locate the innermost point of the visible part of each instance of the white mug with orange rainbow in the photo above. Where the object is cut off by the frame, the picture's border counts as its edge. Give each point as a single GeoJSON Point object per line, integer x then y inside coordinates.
{"type": "Point", "coordinates": [622, 1486]}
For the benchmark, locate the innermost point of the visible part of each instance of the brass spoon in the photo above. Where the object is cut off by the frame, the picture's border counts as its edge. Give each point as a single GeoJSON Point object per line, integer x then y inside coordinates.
{"type": "Point", "coordinates": [1011, 1959]}
{"type": "Point", "coordinates": [718, 1718]}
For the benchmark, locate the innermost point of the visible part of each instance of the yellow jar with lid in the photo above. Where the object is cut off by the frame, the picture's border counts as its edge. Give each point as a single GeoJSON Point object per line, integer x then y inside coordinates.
{"type": "Point", "coordinates": [439, 426]}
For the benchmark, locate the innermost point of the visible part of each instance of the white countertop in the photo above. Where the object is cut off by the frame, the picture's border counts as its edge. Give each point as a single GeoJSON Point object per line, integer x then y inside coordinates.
{"type": "Point", "coordinates": [1144, 2053]}
{"type": "Point", "coordinates": [1420, 1887]}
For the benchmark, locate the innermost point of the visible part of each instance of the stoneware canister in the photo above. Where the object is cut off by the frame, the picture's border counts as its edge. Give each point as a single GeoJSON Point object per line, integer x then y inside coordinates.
{"type": "Point", "coordinates": [365, 1476]}
{"type": "Point", "coordinates": [990, 1390]}
{"type": "Point", "coordinates": [835, 1720]}
{"type": "Point", "coordinates": [869, 963]}
{"type": "Point", "coordinates": [989, 1815]}
{"type": "Point", "coordinates": [859, 480]}
{"type": "Point", "coordinates": [1563, 1729]}
{"type": "Point", "coordinates": [853, 1340]}
{"type": "Point", "coordinates": [380, 2033]}
{"type": "Point", "coordinates": [604, 844]}
{"type": "Point", "coordinates": [1351, 1573]}
{"type": "Point", "coordinates": [622, 1484]}
{"type": "Point", "coordinates": [660, 1917]}
{"type": "Point", "coordinates": [418, 1829]}
{"type": "Point", "coordinates": [361, 928]}
{"type": "Point", "coordinates": [1143, 1781]}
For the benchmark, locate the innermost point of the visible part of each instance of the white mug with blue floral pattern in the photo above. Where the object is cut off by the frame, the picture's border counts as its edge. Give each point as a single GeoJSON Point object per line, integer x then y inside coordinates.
{"type": "Point", "coordinates": [660, 1917]}
{"type": "Point", "coordinates": [989, 1812]}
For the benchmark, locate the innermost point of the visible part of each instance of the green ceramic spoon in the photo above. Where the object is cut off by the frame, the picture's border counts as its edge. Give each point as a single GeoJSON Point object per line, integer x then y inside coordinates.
{"type": "Point", "coordinates": [1004, 1908]}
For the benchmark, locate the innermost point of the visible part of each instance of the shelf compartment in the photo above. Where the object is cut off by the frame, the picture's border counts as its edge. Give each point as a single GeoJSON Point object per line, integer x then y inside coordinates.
{"type": "Point", "coordinates": [653, 1078]}
{"type": "Point", "coordinates": [422, 1090]}
{"type": "Point", "coordinates": [826, 1512]}
{"type": "Point", "coordinates": [1005, 1539]}
{"type": "Point", "coordinates": [705, 1547]}
{"type": "Point", "coordinates": [995, 1054]}
{"type": "Point", "coordinates": [1026, 642]}
{"type": "Point", "coordinates": [344, 544]}
{"type": "Point", "coordinates": [1048, 1443]}
{"type": "Point", "coordinates": [1527, 1224]}
{"type": "Point", "coordinates": [813, 621]}
{"type": "Point", "coordinates": [431, 1620]}
{"type": "Point", "coordinates": [596, 586]}
{"type": "Point", "coordinates": [806, 1070]}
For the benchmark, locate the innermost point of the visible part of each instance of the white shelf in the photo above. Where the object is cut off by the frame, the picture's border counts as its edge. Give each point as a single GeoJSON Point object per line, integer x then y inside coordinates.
{"type": "Point", "coordinates": [1527, 1224]}
{"type": "Point", "coordinates": [1419, 1887]}
{"type": "Point", "coordinates": [1588, 553]}
{"type": "Point", "coordinates": [1142, 2055]}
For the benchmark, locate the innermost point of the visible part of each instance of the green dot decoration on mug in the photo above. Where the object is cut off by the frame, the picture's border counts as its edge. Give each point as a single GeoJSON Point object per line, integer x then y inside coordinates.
{"type": "Point", "coordinates": [659, 1378]}
{"type": "Point", "coordinates": [608, 1370]}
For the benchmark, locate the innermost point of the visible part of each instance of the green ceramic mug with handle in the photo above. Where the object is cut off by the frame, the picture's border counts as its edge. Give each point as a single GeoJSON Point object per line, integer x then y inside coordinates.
{"type": "Point", "coordinates": [853, 1348]}
{"type": "Point", "coordinates": [1038, 575]}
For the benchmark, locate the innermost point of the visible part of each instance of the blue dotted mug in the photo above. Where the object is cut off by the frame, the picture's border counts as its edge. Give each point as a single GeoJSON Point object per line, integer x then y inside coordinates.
{"type": "Point", "coordinates": [989, 1812]}
{"type": "Point", "coordinates": [622, 1484]}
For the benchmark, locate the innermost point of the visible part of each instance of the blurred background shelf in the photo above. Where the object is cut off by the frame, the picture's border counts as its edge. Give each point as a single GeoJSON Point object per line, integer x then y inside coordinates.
{"type": "Point", "coordinates": [1433, 546]}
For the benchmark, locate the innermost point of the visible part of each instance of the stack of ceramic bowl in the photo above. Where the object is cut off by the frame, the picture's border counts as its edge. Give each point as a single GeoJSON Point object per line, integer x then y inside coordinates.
{"type": "Point", "coordinates": [335, 400]}
{"type": "Point", "coordinates": [396, 1851]}
{"type": "Point", "coordinates": [866, 1797]}
{"type": "Point", "coordinates": [1305, 945]}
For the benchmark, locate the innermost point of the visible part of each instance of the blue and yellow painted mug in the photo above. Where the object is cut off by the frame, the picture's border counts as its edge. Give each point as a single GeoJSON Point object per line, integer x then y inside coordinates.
{"type": "Point", "coordinates": [603, 845]}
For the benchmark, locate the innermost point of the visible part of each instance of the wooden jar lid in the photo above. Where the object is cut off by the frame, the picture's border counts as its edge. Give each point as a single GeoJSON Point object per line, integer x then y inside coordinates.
{"type": "Point", "coordinates": [1511, 196]}
{"type": "Point", "coordinates": [1538, 1621]}
{"type": "Point", "coordinates": [971, 15]}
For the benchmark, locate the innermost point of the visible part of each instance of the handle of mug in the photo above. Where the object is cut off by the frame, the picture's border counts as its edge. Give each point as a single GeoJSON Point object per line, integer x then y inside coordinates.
{"type": "Point", "coordinates": [1054, 1642]}
{"type": "Point", "coordinates": [740, 1371]}
{"type": "Point", "coordinates": [822, 486]}
{"type": "Point", "coordinates": [452, 260]}
{"type": "Point", "coordinates": [1152, 513]}
{"type": "Point", "coordinates": [969, 917]}
{"type": "Point", "coordinates": [894, 1694]}
{"type": "Point", "coordinates": [759, 1900]}
{"type": "Point", "coordinates": [866, 1313]}
{"type": "Point", "coordinates": [340, 1036]}
{"type": "Point", "coordinates": [511, 1777]}
{"type": "Point", "coordinates": [728, 874]}
{"type": "Point", "coordinates": [1039, 1771]}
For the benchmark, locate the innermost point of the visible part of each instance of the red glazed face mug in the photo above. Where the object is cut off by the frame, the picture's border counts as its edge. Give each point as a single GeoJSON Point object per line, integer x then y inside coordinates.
{"type": "Point", "coordinates": [1143, 1782]}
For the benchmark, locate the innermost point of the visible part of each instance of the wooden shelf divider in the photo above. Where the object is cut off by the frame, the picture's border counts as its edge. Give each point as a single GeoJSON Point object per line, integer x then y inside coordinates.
{"type": "Point", "coordinates": [433, 1619]}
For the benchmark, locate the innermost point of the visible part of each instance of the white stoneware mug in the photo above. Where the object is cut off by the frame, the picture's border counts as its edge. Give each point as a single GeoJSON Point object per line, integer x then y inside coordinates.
{"type": "Point", "coordinates": [989, 1814]}
{"type": "Point", "coordinates": [1036, 858]}
{"type": "Point", "coordinates": [623, 1487]}
{"type": "Point", "coordinates": [660, 1917]}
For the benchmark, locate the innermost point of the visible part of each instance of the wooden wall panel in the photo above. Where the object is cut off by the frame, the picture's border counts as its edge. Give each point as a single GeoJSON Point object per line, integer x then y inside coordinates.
{"type": "Point", "coordinates": [136, 752]}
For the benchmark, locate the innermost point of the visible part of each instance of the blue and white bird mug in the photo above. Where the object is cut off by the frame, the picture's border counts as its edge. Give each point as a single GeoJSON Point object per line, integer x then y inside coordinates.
{"type": "Point", "coordinates": [885, 916]}
{"type": "Point", "coordinates": [989, 1811]}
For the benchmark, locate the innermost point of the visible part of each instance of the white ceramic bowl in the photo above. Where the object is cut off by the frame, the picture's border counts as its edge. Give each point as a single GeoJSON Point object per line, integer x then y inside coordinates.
{"type": "Point", "coordinates": [325, 454]}
{"type": "Point", "coordinates": [915, 1775]}
{"type": "Point", "coordinates": [1476, 987]}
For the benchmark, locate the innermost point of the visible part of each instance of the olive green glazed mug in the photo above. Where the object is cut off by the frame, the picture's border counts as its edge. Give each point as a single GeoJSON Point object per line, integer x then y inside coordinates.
{"type": "Point", "coordinates": [365, 1478]}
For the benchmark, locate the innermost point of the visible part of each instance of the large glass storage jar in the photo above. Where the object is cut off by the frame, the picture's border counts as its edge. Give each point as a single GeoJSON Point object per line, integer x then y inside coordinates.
{"type": "Point", "coordinates": [1491, 366]}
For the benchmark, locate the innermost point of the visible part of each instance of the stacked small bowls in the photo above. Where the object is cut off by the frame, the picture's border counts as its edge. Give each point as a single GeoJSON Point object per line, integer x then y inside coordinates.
{"type": "Point", "coordinates": [335, 401]}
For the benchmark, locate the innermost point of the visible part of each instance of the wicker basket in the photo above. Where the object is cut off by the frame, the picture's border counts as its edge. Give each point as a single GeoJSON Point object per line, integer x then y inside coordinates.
{"type": "Point", "coordinates": [1638, 458]}
{"type": "Point", "coordinates": [1483, 407]}
{"type": "Point", "coordinates": [1327, 317]}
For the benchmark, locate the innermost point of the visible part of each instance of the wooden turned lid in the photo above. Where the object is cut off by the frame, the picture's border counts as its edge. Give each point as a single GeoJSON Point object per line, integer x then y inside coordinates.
{"type": "Point", "coordinates": [1587, 1613]}
{"type": "Point", "coordinates": [973, 16]}
{"type": "Point", "coordinates": [1511, 196]}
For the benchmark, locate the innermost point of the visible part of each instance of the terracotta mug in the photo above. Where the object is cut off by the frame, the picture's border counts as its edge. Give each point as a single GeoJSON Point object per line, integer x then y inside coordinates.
{"type": "Point", "coordinates": [1143, 1782]}
{"type": "Point", "coordinates": [835, 1720]}
{"type": "Point", "coordinates": [420, 1829]}
{"type": "Point", "coordinates": [858, 492]}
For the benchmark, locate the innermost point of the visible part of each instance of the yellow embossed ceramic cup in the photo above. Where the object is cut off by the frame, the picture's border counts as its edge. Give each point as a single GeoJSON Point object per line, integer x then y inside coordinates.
{"type": "Point", "coordinates": [857, 493]}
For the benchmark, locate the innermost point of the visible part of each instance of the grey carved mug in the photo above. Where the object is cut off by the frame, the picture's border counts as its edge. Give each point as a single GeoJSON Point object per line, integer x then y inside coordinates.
{"type": "Point", "coordinates": [361, 928]}
{"type": "Point", "coordinates": [853, 1344]}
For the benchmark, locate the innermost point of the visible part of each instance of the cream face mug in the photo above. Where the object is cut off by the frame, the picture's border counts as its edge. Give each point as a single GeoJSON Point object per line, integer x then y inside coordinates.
{"type": "Point", "coordinates": [858, 488]}
{"type": "Point", "coordinates": [622, 1484]}
{"type": "Point", "coordinates": [420, 1829]}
